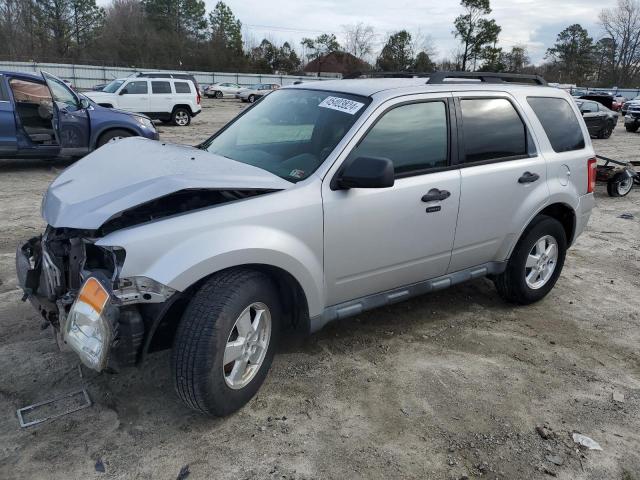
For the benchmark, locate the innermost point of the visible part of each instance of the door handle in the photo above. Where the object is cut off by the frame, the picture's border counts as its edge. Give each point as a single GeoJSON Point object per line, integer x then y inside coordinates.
{"type": "Point", "coordinates": [528, 177]}
{"type": "Point", "coordinates": [436, 195]}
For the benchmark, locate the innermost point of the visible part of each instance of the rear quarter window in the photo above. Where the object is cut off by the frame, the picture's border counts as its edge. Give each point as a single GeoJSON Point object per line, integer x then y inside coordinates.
{"type": "Point", "coordinates": [4, 95]}
{"type": "Point", "coordinates": [559, 122]}
{"type": "Point", "coordinates": [182, 87]}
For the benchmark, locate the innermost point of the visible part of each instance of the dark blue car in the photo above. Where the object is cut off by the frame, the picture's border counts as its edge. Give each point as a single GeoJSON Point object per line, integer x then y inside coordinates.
{"type": "Point", "coordinates": [40, 116]}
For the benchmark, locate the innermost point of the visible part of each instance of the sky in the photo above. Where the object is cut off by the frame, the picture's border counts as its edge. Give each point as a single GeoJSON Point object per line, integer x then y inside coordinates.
{"type": "Point", "coordinates": [534, 23]}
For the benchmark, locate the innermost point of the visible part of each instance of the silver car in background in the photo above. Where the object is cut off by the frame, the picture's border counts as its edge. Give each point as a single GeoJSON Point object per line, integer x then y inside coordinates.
{"type": "Point", "coordinates": [319, 202]}
{"type": "Point", "coordinates": [254, 92]}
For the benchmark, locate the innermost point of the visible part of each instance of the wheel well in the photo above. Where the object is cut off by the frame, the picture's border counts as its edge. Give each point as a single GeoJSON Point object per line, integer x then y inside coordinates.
{"type": "Point", "coordinates": [161, 322]}
{"type": "Point", "coordinates": [188, 107]}
{"type": "Point", "coordinates": [111, 129]}
{"type": "Point", "coordinates": [565, 215]}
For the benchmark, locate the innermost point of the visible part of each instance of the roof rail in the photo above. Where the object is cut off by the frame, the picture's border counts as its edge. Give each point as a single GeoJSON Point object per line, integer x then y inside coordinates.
{"type": "Point", "coordinates": [485, 77]}
{"type": "Point", "coordinates": [378, 74]}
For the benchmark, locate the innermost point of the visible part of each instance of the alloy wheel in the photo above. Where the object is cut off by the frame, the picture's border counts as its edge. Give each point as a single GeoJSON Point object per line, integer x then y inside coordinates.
{"type": "Point", "coordinates": [541, 262]}
{"type": "Point", "coordinates": [247, 345]}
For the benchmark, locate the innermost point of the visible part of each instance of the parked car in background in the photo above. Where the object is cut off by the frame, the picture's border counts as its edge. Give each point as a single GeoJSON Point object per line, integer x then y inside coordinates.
{"type": "Point", "coordinates": [165, 99]}
{"type": "Point", "coordinates": [632, 118]}
{"type": "Point", "coordinates": [224, 89]}
{"type": "Point", "coordinates": [176, 75]}
{"type": "Point", "coordinates": [254, 92]}
{"type": "Point", "coordinates": [599, 119]}
{"type": "Point", "coordinates": [40, 116]}
{"type": "Point", "coordinates": [628, 103]}
{"type": "Point", "coordinates": [99, 87]}
{"type": "Point", "coordinates": [319, 203]}
{"type": "Point", "coordinates": [618, 101]}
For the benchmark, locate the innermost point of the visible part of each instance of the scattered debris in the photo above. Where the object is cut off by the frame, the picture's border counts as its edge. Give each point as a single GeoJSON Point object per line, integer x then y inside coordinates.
{"type": "Point", "coordinates": [70, 398]}
{"type": "Point", "coordinates": [626, 216]}
{"type": "Point", "coordinates": [550, 472]}
{"type": "Point", "coordinates": [586, 442]}
{"type": "Point", "coordinates": [618, 397]}
{"type": "Point", "coordinates": [555, 459]}
{"type": "Point", "coordinates": [184, 473]}
{"type": "Point", "coordinates": [544, 431]}
{"type": "Point", "coordinates": [100, 466]}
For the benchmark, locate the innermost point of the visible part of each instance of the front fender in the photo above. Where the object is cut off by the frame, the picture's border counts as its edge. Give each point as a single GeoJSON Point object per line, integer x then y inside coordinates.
{"type": "Point", "coordinates": [195, 257]}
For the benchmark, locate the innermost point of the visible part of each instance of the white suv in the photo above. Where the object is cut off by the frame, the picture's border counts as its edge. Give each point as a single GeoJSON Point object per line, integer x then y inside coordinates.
{"type": "Point", "coordinates": [319, 202]}
{"type": "Point", "coordinates": [167, 99]}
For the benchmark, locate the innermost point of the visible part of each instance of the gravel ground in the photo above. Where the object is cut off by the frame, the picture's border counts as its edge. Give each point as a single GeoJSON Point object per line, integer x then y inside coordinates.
{"type": "Point", "coordinates": [447, 386]}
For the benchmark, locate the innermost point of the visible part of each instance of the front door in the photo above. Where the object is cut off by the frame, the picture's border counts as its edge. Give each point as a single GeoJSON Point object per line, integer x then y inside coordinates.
{"type": "Point", "coordinates": [592, 117]}
{"type": "Point", "coordinates": [70, 120]}
{"type": "Point", "coordinates": [134, 96]}
{"type": "Point", "coordinates": [503, 179]}
{"type": "Point", "coordinates": [384, 238]}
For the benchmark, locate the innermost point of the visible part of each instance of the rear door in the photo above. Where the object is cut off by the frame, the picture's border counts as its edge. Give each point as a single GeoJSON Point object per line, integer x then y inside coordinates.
{"type": "Point", "coordinates": [8, 141]}
{"type": "Point", "coordinates": [133, 96]}
{"type": "Point", "coordinates": [503, 178]}
{"type": "Point", "coordinates": [70, 120]}
{"type": "Point", "coordinates": [161, 99]}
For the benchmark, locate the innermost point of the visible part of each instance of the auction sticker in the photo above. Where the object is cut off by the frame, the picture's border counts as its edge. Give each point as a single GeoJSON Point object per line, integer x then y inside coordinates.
{"type": "Point", "coordinates": [341, 104]}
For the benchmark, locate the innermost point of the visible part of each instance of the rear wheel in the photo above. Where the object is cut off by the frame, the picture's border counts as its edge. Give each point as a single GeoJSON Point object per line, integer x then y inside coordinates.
{"type": "Point", "coordinates": [535, 264]}
{"type": "Point", "coordinates": [181, 117]}
{"type": "Point", "coordinates": [225, 342]}
{"type": "Point", "coordinates": [112, 135]}
{"type": "Point", "coordinates": [218, 94]}
{"type": "Point", "coordinates": [609, 130]}
{"type": "Point", "coordinates": [617, 187]}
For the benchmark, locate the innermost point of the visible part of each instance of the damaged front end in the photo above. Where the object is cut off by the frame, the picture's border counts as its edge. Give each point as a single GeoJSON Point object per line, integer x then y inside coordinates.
{"type": "Point", "coordinates": [75, 285]}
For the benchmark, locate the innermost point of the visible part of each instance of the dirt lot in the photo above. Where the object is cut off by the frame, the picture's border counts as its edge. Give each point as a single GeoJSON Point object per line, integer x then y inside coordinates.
{"type": "Point", "coordinates": [447, 386]}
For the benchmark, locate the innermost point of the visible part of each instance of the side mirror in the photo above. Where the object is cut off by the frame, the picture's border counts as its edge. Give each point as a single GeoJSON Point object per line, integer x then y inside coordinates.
{"type": "Point", "coordinates": [123, 91]}
{"type": "Point", "coordinates": [366, 172]}
{"type": "Point", "coordinates": [84, 103]}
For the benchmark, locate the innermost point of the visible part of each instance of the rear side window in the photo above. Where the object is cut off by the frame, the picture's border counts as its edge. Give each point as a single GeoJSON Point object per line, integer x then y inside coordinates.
{"type": "Point", "coordinates": [414, 137]}
{"type": "Point", "coordinates": [161, 87]}
{"type": "Point", "coordinates": [492, 130]}
{"type": "Point", "coordinates": [559, 122]}
{"type": "Point", "coordinates": [182, 87]}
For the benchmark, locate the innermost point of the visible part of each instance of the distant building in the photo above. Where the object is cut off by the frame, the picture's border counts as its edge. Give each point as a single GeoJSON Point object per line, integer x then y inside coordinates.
{"type": "Point", "coordinates": [335, 64]}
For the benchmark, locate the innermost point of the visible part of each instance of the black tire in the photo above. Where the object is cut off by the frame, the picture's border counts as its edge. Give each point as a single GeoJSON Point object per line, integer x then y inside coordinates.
{"type": "Point", "coordinates": [251, 98]}
{"type": "Point", "coordinates": [203, 332]}
{"type": "Point", "coordinates": [631, 128]}
{"type": "Point", "coordinates": [616, 189]}
{"type": "Point", "coordinates": [609, 131]}
{"type": "Point", "coordinates": [218, 94]}
{"type": "Point", "coordinates": [181, 117]}
{"type": "Point", "coordinates": [107, 136]}
{"type": "Point", "coordinates": [511, 284]}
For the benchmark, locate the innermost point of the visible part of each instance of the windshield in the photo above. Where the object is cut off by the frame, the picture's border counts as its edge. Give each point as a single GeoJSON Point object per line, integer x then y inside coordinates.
{"type": "Point", "coordinates": [113, 86]}
{"type": "Point", "coordinates": [289, 132]}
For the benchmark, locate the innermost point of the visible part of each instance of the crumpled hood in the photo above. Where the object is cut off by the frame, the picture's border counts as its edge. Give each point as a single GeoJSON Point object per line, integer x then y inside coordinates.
{"type": "Point", "coordinates": [133, 171]}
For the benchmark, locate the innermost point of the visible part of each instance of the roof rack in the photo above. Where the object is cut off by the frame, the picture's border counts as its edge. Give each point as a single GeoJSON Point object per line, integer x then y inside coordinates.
{"type": "Point", "coordinates": [378, 74]}
{"type": "Point", "coordinates": [484, 77]}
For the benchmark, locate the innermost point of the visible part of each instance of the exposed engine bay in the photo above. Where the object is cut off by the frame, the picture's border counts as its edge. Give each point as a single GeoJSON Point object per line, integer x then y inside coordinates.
{"type": "Point", "coordinates": [54, 269]}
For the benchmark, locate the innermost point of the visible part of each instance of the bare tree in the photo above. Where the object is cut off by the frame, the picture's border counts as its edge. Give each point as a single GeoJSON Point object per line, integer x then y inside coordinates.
{"type": "Point", "coordinates": [622, 25]}
{"type": "Point", "coordinates": [359, 40]}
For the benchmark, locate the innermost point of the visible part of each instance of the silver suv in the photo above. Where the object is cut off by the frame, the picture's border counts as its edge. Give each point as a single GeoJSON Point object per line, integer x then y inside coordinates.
{"type": "Point", "coordinates": [317, 203]}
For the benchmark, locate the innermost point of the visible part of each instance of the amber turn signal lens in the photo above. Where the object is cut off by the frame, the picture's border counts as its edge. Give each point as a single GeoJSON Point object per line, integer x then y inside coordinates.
{"type": "Point", "coordinates": [94, 294]}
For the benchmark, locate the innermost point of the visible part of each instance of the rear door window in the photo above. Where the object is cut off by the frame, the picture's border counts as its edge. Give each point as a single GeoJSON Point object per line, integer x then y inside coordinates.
{"type": "Point", "coordinates": [160, 87]}
{"type": "Point", "coordinates": [182, 87]}
{"type": "Point", "coordinates": [492, 130]}
{"type": "Point", "coordinates": [559, 122]}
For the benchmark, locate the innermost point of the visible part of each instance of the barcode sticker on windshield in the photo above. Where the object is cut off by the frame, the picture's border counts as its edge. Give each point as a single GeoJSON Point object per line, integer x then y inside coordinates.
{"type": "Point", "coordinates": [341, 104]}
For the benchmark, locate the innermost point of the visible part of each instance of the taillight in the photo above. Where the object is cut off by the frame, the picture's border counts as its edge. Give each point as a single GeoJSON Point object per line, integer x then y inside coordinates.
{"type": "Point", "coordinates": [591, 183]}
{"type": "Point", "coordinates": [198, 97]}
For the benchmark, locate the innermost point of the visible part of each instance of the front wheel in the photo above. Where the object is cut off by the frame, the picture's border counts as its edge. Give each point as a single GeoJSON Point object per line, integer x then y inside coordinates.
{"type": "Point", "coordinates": [535, 263]}
{"type": "Point", "coordinates": [181, 117]}
{"type": "Point", "coordinates": [112, 136]}
{"type": "Point", "coordinates": [631, 127]}
{"type": "Point", "coordinates": [218, 94]}
{"type": "Point", "coordinates": [252, 98]}
{"type": "Point", "coordinates": [226, 341]}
